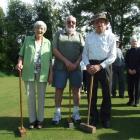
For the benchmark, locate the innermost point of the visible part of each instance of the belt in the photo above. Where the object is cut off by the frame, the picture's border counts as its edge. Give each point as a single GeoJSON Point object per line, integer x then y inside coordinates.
{"type": "Point", "coordinates": [93, 62]}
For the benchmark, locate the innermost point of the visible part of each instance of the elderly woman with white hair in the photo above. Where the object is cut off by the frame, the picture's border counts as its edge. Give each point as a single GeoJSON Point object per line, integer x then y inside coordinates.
{"type": "Point", "coordinates": [35, 62]}
{"type": "Point", "coordinates": [133, 72]}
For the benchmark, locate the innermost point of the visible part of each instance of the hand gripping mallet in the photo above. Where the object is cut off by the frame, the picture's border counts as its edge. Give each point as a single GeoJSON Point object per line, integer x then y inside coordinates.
{"type": "Point", "coordinates": [85, 126]}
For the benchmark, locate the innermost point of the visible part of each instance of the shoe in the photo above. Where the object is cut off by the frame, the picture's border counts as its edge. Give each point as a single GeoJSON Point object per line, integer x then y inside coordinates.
{"type": "Point", "coordinates": [106, 124]}
{"type": "Point", "coordinates": [130, 103]}
{"type": "Point", "coordinates": [39, 124]}
{"type": "Point", "coordinates": [56, 119]}
{"type": "Point", "coordinates": [94, 120]}
{"type": "Point", "coordinates": [32, 125]}
{"type": "Point", "coordinates": [76, 117]}
{"type": "Point", "coordinates": [136, 105]}
{"type": "Point", "coordinates": [94, 123]}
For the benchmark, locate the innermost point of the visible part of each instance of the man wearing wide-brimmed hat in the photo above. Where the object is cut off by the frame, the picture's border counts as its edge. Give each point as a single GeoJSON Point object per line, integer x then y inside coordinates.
{"type": "Point", "coordinates": [99, 53]}
{"type": "Point", "coordinates": [99, 16]}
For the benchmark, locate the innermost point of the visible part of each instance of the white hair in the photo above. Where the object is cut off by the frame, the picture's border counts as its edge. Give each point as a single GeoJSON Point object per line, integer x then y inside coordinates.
{"type": "Point", "coordinates": [70, 16]}
{"type": "Point", "coordinates": [73, 29]}
{"type": "Point", "coordinates": [40, 23]}
{"type": "Point", "coordinates": [133, 38]}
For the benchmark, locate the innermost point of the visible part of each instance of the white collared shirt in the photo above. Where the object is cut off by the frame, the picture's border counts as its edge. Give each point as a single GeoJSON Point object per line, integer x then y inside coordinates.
{"type": "Point", "coordinates": [100, 47]}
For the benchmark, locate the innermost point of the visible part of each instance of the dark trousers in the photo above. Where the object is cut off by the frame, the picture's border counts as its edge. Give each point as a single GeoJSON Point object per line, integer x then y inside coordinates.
{"type": "Point", "coordinates": [118, 79]}
{"type": "Point", "coordinates": [103, 78]}
{"type": "Point", "coordinates": [133, 88]}
{"type": "Point", "coordinates": [85, 80]}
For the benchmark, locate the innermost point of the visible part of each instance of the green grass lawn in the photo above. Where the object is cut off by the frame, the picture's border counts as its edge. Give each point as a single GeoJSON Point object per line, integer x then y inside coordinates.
{"type": "Point", "coordinates": [125, 120]}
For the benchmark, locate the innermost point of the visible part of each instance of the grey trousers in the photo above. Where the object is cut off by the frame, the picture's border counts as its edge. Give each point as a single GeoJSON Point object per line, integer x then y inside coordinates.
{"type": "Point", "coordinates": [36, 112]}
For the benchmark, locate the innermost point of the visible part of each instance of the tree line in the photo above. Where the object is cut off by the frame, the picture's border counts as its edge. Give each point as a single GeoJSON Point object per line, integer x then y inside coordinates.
{"type": "Point", "coordinates": [20, 17]}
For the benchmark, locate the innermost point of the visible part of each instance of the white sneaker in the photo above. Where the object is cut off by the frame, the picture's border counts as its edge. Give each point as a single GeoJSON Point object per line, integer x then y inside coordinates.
{"type": "Point", "coordinates": [56, 119]}
{"type": "Point", "coordinates": [76, 117]}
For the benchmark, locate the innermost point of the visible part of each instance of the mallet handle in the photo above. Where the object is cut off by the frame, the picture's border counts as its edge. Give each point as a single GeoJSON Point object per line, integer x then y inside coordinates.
{"type": "Point", "coordinates": [69, 101]}
{"type": "Point", "coordinates": [20, 89]}
{"type": "Point", "coordinates": [90, 97]}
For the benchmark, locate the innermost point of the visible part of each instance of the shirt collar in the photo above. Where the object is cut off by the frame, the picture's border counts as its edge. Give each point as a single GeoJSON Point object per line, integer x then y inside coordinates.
{"type": "Point", "coordinates": [65, 32]}
{"type": "Point", "coordinates": [103, 34]}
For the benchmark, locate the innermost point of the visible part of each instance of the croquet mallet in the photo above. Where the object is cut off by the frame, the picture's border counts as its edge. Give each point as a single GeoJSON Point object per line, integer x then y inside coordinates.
{"type": "Point", "coordinates": [70, 122]}
{"type": "Point", "coordinates": [22, 130]}
{"type": "Point", "coordinates": [85, 126]}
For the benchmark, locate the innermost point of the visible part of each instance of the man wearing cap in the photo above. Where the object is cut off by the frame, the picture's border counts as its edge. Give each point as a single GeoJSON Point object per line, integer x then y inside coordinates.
{"type": "Point", "coordinates": [98, 55]}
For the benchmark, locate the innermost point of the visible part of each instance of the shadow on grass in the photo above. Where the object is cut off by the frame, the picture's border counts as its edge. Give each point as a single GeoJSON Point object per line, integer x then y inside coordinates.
{"type": "Point", "coordinates": [126, 128]}
{"type": "Point", "coordinates": [50, 95]}
{"type": "Point", "coordinates": [9, 125]}
{"type": "Point", "coordinates": [123, 113]}
{"type": "Point", "coordinates": [66, 105]}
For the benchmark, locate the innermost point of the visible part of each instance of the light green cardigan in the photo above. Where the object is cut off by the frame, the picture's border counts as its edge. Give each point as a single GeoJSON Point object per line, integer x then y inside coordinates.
{"type": "Point", "coordinates": [27, 52]}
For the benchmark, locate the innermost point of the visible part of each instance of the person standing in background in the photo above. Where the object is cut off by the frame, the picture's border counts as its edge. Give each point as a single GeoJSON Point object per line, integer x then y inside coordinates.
{"type": "Point", "coordinates": [118, 72]}
{"type": "Point", "coordinates": [132, 60]}
{"type": "Point", "coordinates": [84, 77]}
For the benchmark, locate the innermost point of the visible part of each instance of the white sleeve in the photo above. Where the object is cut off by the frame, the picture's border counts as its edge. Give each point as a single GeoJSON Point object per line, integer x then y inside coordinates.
{"type": "Point", "coordinates": [112, 53]}
{"type": "Point", "coordinates": [85, 54]}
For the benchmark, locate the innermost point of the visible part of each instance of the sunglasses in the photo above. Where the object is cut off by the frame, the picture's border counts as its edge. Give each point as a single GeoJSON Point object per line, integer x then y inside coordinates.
{"type": "Point", "coordinates": [69, 22]}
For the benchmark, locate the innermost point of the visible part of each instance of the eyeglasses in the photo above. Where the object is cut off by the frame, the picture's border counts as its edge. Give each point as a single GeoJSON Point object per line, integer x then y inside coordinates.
{"type": "Point", "coordinates": [69, 22]}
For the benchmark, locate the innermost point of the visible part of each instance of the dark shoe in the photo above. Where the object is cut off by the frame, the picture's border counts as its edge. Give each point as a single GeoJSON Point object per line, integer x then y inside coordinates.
{"type": "Point", "coordinates": [136, 105]}
{"type": "Point", "coordinates": [106, 124]}
{"type": "Point", "coordinates": [39, 124]}
{"type": "Point", "coordinates": [94, 122]}
{"type": "Point", "coordinates": [130, 103]}
{"type": "Point", "coordinates": [32, 125]}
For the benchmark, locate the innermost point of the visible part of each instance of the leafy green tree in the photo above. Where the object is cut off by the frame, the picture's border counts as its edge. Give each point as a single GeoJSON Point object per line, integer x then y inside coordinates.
{"type": "Point", "coordinates": [50, 14]}
{"type": "Point", "coordinates": [19, 21]}
{"type": "Point", "coordinates": [123, 14]}
{"type": "Point", "coordinates": [2, 52]}
{"type": "Point", "coordinates": [1, 21]}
